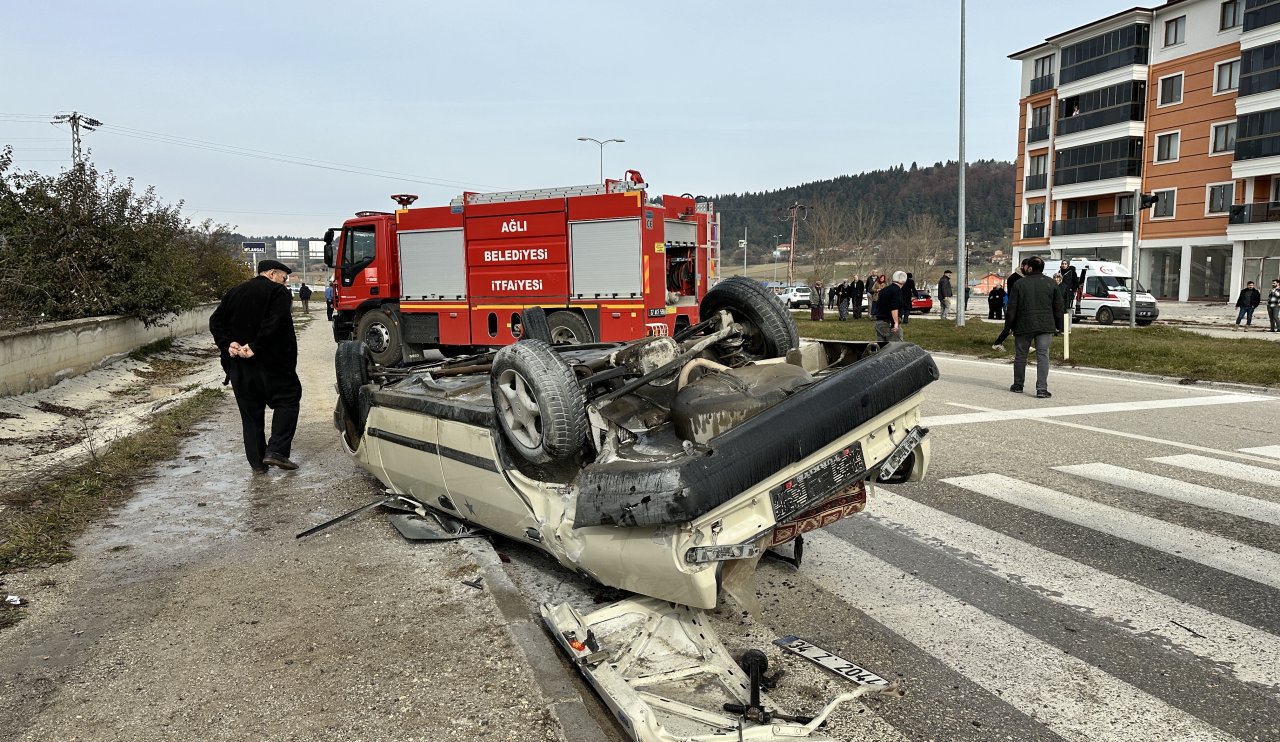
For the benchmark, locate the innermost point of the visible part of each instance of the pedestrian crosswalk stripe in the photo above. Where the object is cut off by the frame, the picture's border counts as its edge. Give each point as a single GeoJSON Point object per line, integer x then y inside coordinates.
{"type": "Point", "coordinates": [1176, 489]}
{"type": "Point", "coordinates": [1036, 678]}
{"type": "Point", "coordinates": [1248, 650]}
{"type": "Point", "coordinates": [1245, 472]}
{"type": "Point", "coordinates": [1272, 451]}
{"type": "Point", "coordinates": [1033, 413]}
{"type": "Point", "coordinates": [1220, 553]}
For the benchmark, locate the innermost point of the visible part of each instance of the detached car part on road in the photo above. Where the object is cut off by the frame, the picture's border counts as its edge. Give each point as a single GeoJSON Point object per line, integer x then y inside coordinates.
{"type": "Point", "coordinates": [664, 466]}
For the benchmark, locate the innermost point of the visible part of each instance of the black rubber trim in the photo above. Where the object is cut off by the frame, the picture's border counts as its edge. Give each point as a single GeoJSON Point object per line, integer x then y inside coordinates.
{"type": "Point", "coordinates": [471, 459]}
{"type": "Point", "coordinates": [631, 493]}
{"type": "Point", "coordinates": [455, 410]}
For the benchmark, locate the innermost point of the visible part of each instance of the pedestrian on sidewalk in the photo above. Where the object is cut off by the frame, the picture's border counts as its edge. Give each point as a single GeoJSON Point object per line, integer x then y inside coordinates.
{"type": "Point", "coordinates": [842, 298]}
{"type": "Point", "coordinates": [857, 290]}
{"type": "Point", "coordinates": [889, 309]}
{"type": "Point", "coordinates": [1273, 305]}
{"type": "Point", "coordinates": [1008, 285]}
{"type": "Point", "coordinates": [945, 292]}
{"type": "Point", "coordinates": [909, 290]}
{"type": "Point", "coordinates": [817, 309]}
{"type": "Point", "coordinates": [328, 301]}
{"type": "Point", "coordinates": [1033, 303]}
{"type": "Point", "coordinates": [874, 284]}
{"type": "Point", "coordinates": [1248, 301]}
{"type": "Point", "coordinates": [833, 295]}
{"type": "Point", "coordinates": [304, 293]}
{"type": "Point", "coordinates": [253, 327]}
{"type": "Point", "coordinates": [995, 303]}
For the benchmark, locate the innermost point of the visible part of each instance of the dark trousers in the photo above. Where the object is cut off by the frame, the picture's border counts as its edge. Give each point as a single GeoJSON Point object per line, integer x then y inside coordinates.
{"type": "Point", "coordinates": [328, 310]}
{"type": "Point", "coordinates": [1273, 314]}
{"type": "Point", "coordinates": [995, 310]}
{"type": "Point", "coordinates": [1004, 334]}
{"type": "Point", "coordinates": [257, 388]}
{"type": "Point", "coordinates": [1243, 314]}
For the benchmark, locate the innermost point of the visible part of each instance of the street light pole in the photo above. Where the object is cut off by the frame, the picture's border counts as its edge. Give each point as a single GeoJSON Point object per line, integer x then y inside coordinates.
{"type": "Point", "coordinates": [600, 144]}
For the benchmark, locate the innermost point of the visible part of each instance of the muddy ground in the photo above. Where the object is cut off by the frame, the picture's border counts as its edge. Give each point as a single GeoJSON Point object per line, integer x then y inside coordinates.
{"type": "Point", "coordinates": [193, 612]}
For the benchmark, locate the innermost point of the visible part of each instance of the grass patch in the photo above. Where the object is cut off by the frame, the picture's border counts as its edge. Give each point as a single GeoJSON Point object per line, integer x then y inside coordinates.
{"type": "Point", "coordinates": [41, 519]}
{"type": "Point", "coordinates": [1158, 350]}
{"type": "Point", "coordinates": [142, 352]}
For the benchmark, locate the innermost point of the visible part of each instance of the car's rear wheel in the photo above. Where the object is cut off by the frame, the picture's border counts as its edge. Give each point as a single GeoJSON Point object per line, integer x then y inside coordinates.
{"type": "Point", "coordinates": [539, 403]}
{"type": "Point", "coordinates": [1105, 317]}
{"type": "Point", "coordinates": [768, 331]}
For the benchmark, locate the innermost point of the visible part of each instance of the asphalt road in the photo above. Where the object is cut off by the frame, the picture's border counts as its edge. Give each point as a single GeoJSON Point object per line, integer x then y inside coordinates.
{"type": "Point", "coordinates": [1102, 565]}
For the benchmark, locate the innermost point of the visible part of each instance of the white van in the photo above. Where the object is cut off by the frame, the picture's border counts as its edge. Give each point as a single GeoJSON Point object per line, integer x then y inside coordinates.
{"type": "Point", "coordinates": [1106, 293]}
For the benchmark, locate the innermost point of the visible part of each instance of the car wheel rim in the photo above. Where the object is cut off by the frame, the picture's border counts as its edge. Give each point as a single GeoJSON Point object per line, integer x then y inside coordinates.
{"type": "Point", "coordinates": [519, 409]}
{"type": "Point", "coordinates": [378, 337]}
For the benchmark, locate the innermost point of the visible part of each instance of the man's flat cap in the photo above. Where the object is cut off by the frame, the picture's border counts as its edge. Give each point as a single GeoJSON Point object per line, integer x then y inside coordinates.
{"type": "Point", "coordinates": [273, 265]}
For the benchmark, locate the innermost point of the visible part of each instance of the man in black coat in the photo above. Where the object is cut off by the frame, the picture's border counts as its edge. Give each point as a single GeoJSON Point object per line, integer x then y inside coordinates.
{"type": "Point", "coordinates": [1034, 302]}
{"type": "Point", "coordinates": [857, 290]}
{"type": "Point", "coordinates": [1248, 301]}
{"type": "Point", "coordinates": [253, 327]}
{"type": "Point", "coordinates": [909, 291]}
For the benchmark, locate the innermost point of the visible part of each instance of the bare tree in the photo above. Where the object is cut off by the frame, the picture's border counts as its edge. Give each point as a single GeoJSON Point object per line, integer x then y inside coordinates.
{"type": "Point", "coordinates": [866, 229]}
{"type": "Point", "coordinates": [915, 245]}
{"type": "Point", "coordinates": [828, 228]}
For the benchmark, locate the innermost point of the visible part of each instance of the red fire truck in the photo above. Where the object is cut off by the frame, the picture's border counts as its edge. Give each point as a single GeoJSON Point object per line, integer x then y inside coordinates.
{"type": "Point", "coordinates": [605, 263]}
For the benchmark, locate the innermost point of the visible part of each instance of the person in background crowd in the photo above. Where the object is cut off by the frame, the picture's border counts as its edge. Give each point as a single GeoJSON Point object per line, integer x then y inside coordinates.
{"type": "Point", "coordinates": [1273, 305]}
{"type": "Point", "coordinates": [842, 298]}
{"type": "Point", "coordinates": [857, 290]}
{"type": "Point", "coordinates": [945, 292]}
{"type": "Point", "coordinates": [1248, 301]}
{"type": "Point", "coordinates": [328, 301]}
{"type": "Point", "coordinates": [995, 303]}
{"type": "Point", "coordinates": [833, 295]}
{"type": "Point", "coordinates": [1033, 304]}
{"type": "Point", "coordinates": [253, 327]}
{"type": "Point", "coordinates": [1058, 320]}
{"type": "Point", "coordinates": [304, 293]}
{"type": "Point", "coordinates": [889, 309]}
{"type": "Point", "coordinates": [874, 284]}
{"type": "Point", "coordinates": [816, 305]}
{"type": "Point", "coordinates": [1008, 287]}
{"type": "Point", "coordinates": [909, 288]}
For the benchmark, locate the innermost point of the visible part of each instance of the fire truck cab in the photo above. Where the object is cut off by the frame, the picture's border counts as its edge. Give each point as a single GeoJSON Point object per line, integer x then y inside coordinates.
{"type": "Point", "coordinates": [605, 263]}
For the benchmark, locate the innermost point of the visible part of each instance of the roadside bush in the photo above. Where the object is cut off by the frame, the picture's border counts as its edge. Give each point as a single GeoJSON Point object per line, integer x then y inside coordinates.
{"type": "Point", "coordinates": [83, 243]}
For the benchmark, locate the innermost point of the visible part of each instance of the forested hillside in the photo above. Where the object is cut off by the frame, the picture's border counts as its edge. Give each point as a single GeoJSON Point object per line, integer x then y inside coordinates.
{"type": "Point", "coordinates": [899, 200]}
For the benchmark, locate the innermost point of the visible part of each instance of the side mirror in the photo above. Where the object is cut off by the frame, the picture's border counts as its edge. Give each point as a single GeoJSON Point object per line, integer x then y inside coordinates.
{"type": "Point", "coordinates": [328, 247]}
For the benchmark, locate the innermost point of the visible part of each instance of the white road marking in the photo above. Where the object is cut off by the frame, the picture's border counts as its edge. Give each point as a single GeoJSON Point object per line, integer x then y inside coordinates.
{"type": "Point", "coordinates": [1104, 408]}
{"type": "Point", "coordinates": [1257, 474]}
{"type": "Point", "coordinates": [1219, 553]}
{"type": "Point", "coordinates": [1249, 651]}
{"type": "Point", "coordinates": [1176, 489]}
{"type": "Point", "coordinates": [1040, 680]}
{"type": "Point", "coordinates": [1067, 372]}
{"type": "Point", "coordinates": [1271, 451]}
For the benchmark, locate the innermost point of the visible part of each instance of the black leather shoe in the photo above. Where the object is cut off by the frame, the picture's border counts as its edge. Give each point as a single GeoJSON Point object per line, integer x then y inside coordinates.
{"type": "Point", "coordinates": [260, 470]}
{"type": "Point", "coordinates": [275, 459]}
{"type": "Point", "coordinates": [1016, 388]}
{"type": "Point", "coordinates": [1043, 394]}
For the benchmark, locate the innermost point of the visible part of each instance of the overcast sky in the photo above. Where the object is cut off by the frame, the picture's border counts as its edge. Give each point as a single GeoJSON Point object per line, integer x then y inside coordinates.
{"type": "Point", "coordinates": [492, 95]}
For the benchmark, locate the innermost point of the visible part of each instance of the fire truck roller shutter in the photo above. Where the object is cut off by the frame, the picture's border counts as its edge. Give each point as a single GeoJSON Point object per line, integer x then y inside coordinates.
{"type": "Point", "coordinates": [606, 257]}
{"type": "Point", "coordinates": [432, 264]}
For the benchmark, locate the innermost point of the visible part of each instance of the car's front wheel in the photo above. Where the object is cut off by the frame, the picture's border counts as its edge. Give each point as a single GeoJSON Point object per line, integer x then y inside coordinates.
{"type": "Point", "coordinates": [1105, 316]}
{"type": "Point", "coordinates": [540, 406]}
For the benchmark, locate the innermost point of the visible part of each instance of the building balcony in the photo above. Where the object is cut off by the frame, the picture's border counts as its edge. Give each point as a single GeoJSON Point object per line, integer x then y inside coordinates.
{"type": "Point", "coordinates": [1037, 133]}
{"type": "Point", "coordinates": [1041, 84]}
{"type": "Point", "coordinates": [1037, 182]}
{"type": "Point", "coordinates": [1092, 225]}
{"type": "Point", "coordinates": [1032, 231]}
{"type": "Point", "coordinates": [1255, 213]}
{"type": "Point", "coordinates": [1098, 119]}
{"type": "Point", "coordinates": [1260, 13]}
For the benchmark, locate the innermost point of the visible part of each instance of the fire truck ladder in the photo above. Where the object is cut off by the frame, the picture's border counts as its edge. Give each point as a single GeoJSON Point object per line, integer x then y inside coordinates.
{"type": "Point", "coordinates": [594, 189]}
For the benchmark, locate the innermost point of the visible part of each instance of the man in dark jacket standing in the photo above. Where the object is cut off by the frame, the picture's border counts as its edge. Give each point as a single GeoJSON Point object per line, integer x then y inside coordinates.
{"type": "Point", "coordinates": [1033, 303]}
{"type": "Point", "coordinates": [857, 290]}
{"type": "Point", "coordinates": [253, 327]}
{"type": "Point", "coordinates": [1248, 301]}
{"type": "Point", "coordinates": [945, 292]}
{"type": "Point", "coordinates": [909, 291]}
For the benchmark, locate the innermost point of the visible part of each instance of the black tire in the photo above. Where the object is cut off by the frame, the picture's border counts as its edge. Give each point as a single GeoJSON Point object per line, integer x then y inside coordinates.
{"type": "Point", "coordinates": [538, 402]}
{"type": "Point", "coordinates": [351, 362]}
{"type": "Point", "coordinates": [769, 331]}
{"type": "Point", "coordinates": [568, 328]}
{"type": "Point", "coordinates": [381, 333]}
{"type": "Point", "coordinates": [533, 325]}
{"type": "Point", "coordinates": [1105, 316]}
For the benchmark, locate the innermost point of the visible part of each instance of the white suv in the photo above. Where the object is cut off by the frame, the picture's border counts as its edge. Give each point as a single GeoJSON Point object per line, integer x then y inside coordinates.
{"type": "Point", "coordinates": [795, 296]}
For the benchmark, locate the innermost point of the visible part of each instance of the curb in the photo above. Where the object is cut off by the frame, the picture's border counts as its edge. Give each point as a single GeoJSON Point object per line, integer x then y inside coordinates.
{"type": "Point", "coordinates": [525, 628]}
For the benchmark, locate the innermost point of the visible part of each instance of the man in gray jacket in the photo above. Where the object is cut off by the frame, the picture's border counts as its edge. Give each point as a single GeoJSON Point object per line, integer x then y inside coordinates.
{"type": "Point", "coordinates": [1033, 303]}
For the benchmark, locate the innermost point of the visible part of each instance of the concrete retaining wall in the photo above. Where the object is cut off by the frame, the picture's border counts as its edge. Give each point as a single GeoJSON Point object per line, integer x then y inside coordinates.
{"type": "Point", "coordinates": [38, 357]}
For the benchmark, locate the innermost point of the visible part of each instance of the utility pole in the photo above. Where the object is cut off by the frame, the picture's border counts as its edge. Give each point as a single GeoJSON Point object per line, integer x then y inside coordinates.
{"type": "Point", "coordinates": [743, 244]}
{"type": "Point", "coordinates": [795, 212]}
{"type": "Point", "coordinates": [961, 249]}
{"type": "Point", "coordinates": [77, 120]}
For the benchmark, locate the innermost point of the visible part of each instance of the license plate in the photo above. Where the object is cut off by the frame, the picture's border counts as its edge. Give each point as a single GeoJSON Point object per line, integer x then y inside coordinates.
{"type": "Point", "coordinates": [902, 451]}
{"type": "Point", "coordinates": [817, 483]}
{"type": "Point", "coordinates": [840, 666]}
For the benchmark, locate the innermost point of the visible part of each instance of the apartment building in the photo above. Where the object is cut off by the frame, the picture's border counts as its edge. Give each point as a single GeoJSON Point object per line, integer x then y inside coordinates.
{"type": "Point", "coordinates": [1181, 101]}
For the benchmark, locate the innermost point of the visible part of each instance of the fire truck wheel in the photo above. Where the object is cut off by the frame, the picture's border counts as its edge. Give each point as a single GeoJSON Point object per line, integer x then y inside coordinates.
{"type": "Point", "coordinates": [568, 328]}
{"type": "Point", "coordinates": [539, 403]}
{"type": "Point", "coordinates": [352, 366]}
{"type": "Point", "coordinates": [769, 330]}
{"type": "Point", "coordinates": [379, 331]}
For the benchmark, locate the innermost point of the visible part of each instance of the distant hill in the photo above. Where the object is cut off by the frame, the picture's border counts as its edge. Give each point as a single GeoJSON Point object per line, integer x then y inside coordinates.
{"type": "Point", "coordinates": [899, 192]}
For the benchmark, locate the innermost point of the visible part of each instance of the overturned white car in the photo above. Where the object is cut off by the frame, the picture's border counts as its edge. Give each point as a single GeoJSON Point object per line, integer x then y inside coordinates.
{"type": "Point", "coordinates": [664, 466]}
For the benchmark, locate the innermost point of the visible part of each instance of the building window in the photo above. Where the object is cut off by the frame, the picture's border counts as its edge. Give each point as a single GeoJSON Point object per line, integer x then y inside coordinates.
{"type": "Point", "coordinates": [1224, 138]}
{"type": "Point", "coordinates": [1227, 75]}
{"type": "Point", "coordinates": [1038, 165]}
{"type": "Point", "coordinates": [1230, 15]}
{"type": "Point", "coordinates": [1042, 78]}
{"type": "Point", "coordinates": [1167, 147]}
{"type": "Point", "coordinates": [1171, 90]}
{"type": "Point", "coordinates": [1260, 69]}
{"type": "Point", "coordinates": [1258, 134]}
{"type": "Point", "coordinates": [1035, 214]}
{"type": "Point", "coordinates": [1219, 197]}
{"type": "Point", "coordinates": [1116, 158]}
{"type": "Point", "coordinates": [1112, 50]}
{"type": "Point", "coordinates": [1164, 204]}
{"type": "Point", "coordinates": [1175, 31]}
{"type": "Point", "coordinates": [1124, 205]}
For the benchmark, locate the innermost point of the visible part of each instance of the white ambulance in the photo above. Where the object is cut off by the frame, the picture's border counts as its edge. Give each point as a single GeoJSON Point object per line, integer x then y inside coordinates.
{"type": "Point", "coordinates": [1105, 293]}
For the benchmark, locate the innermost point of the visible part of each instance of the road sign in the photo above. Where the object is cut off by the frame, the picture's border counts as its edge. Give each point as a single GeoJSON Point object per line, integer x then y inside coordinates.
{"type": "Point", "coordinates": [254, 246]}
